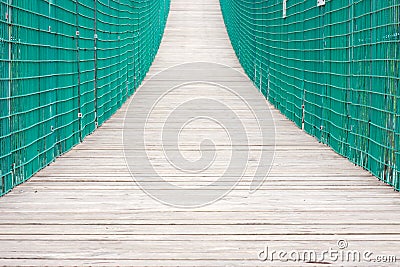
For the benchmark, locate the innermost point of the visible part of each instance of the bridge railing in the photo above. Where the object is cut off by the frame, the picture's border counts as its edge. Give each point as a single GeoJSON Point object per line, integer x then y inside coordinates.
{"type": "Point", "coordinates": [330, 66]}
{"type": "Point", "coordinates": [66, 67]}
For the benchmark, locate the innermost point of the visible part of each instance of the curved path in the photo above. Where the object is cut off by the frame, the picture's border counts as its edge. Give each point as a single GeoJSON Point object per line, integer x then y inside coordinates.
{"type": "Point", "coordinates": [84, 209]}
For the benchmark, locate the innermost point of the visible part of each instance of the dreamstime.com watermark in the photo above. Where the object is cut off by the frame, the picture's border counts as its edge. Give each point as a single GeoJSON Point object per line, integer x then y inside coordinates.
{"type": "Point", "coordinates": [341, 254]}
{"type": "Point", "coordinates": [194, 131]}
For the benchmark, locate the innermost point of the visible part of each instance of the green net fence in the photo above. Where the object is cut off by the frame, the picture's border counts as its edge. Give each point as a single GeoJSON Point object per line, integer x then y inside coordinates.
{"type": "Point", "coordinates": [330, 66]}
{"type": "Point", "coordinates": [66, 67]}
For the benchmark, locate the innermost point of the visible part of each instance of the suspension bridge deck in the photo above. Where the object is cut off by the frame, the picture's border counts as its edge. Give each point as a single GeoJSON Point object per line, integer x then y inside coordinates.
{"type": "Point", "coordinates": [84, 209]}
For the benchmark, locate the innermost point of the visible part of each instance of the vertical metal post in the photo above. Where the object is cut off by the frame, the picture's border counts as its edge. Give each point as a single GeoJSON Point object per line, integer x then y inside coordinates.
{"type": "Point", "coordinates": [78, 69]}
{"type": "Point", "coordinates": [324, 67]}
{"type": "Point", "coordinates": [254, 39]}
{"type": "Point", "coordinates": [349, 93]}
{"type": "Point", "coordinates": [53, 106]}
{"type": "Point", "coordinates": [138, 76]}
{"type": "Point", "coordinates": [95, 65]}
{"type": "Point", "coordinates": [303, 100]}
{"type": "Point", "coordinates": [9, 21]}
{"type": "Point", "coordinates": [133, 45]}
{"type": "Point", "coordinates": [120, 32]}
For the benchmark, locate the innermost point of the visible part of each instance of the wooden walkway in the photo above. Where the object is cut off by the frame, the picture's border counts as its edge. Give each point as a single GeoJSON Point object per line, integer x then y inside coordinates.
{"type": "Point", "coordinates": [85, 209]}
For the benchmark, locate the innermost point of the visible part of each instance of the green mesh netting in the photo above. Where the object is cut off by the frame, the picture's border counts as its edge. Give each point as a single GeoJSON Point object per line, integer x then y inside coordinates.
{"type": "Point", "coordinates": [66, 67]}
{"type": "Point", "coordinates": [332, 69]}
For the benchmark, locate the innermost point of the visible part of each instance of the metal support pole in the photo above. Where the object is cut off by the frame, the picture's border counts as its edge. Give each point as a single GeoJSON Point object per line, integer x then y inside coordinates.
{"type": "Point", "coordinates": [79, 70]}
{"type": "Point", "coordinates": [95, 65]}
{"type": "Point", "coordinates": [9, 22]}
